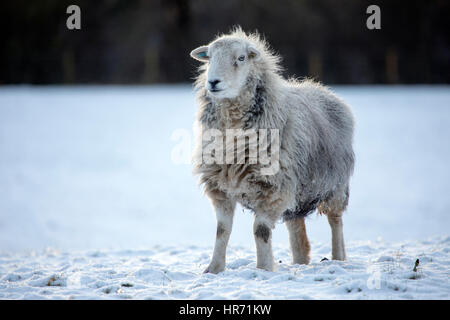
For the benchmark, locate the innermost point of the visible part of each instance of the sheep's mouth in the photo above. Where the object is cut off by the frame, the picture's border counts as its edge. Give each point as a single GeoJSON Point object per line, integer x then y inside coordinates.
{"type": "Point", "coordinates": [215, 90]}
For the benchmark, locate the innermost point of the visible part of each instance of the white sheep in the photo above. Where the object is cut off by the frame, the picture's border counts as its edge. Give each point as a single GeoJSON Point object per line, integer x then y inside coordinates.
{"type": "Point", "coordinates": [240, 87]}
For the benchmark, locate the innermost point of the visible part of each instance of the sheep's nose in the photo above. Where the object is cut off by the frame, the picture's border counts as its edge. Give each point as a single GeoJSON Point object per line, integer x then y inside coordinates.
{"type": "Point", "coordinates": [213, 83]}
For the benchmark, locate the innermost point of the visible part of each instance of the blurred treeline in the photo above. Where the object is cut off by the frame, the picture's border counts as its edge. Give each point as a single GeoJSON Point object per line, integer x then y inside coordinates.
{"type": "Point", "coordinates": [148, 41]}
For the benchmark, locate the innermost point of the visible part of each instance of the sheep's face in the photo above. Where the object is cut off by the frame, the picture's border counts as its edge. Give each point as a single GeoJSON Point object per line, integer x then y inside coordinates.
{"type": "Point", "coordinates": [229, 64]}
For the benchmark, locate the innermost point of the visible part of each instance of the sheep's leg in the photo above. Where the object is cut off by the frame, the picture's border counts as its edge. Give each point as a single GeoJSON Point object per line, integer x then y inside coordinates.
{"type": "Point", "coordinates": [224, 213]}
{"type": "Point", "coordinates": [262, 230]}
{"type": "Point", "coordinates": [337, 236]}
{"type": "Point", "coordinates": [299, 240]}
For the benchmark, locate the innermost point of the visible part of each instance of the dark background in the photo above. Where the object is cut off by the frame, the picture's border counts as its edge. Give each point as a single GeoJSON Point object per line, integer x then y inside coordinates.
{"type": "Point", "coordinates": [138, 42]}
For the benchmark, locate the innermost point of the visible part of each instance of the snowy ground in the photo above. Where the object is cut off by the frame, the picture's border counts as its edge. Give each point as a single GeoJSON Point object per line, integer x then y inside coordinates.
{"type": "Point", "coordinates": [374, 270]}
{"type": "Point", "coordinates": [92, 204]}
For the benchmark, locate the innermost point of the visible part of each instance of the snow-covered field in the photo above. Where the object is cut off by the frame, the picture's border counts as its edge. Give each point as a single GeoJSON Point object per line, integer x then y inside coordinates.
{"type": "Point", "coordinates": [374, 270]}
{"type": "Point", "coordinates": [92, 204]}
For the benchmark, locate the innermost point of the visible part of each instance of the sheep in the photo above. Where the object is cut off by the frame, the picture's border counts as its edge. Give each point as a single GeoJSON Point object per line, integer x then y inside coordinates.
{"type": "Point", "coordinates": [240, 86]}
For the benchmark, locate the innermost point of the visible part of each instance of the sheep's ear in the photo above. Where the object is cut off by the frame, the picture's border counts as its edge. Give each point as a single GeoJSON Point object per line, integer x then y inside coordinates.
{"type": "Point", "coordinates": [200, 54]}
{"type": "Point", "coordinates": [254, 53]}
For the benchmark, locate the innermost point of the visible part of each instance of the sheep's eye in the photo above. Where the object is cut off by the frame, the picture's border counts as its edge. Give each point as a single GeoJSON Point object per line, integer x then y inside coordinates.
{"type": "Point", "coordinates": [241, 58]}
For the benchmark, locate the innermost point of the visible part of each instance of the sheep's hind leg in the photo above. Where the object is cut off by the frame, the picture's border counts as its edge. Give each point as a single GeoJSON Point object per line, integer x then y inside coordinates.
{"type": "Point", "coordinates": [299, 240]}
{"type": "Point", "coordinates": [334, 208]}
{"type": "Point", "coordinates": [337, 236]}
{"type": "Point", "coordinates": [224, 213]}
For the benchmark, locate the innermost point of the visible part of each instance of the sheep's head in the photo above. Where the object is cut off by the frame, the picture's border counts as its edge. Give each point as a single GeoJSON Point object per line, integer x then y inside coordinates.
{"type": "Point", "coordinates": [229, 63]}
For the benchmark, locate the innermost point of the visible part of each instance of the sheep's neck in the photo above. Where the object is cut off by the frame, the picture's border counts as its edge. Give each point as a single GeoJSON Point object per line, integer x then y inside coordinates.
{"type": "Point", "coordinates": [232, 112]}
{"type": "Point", "coordinates": [231, 115]}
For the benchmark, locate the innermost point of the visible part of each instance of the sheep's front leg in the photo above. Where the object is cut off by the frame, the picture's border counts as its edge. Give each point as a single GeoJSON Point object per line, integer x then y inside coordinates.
{"type": "Point", "coordinates": [224, 213]}
{"type": "Point", "coordinates": [262, 230]}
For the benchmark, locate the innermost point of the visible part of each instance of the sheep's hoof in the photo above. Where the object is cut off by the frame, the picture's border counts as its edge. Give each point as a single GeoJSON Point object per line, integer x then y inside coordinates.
{"type": "Point", "coordinates": [214, 268]}
{"type": "Point", "coordinates": [270, 267]}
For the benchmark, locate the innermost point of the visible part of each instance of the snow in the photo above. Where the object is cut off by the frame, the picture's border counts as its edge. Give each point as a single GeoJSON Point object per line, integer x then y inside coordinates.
{"type": "Point", "coordinates": [374, 270]}
{"type": "Point", "coordinates": [94, 205]}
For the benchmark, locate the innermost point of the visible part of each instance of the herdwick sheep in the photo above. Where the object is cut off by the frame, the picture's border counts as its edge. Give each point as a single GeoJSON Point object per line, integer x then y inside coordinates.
{"type": "Point", "coordinates": [239, 86]}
